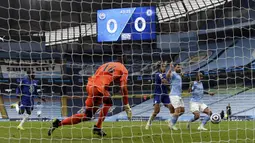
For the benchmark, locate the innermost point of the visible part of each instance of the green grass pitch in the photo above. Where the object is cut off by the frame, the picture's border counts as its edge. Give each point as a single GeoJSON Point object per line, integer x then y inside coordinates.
{"type": "Point", "coordinates": [129, 132]}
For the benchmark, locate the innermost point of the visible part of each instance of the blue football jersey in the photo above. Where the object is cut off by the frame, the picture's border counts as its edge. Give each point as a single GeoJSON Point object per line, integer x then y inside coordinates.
{"type": "Point", "coordinates": [159, 87]}
{"type": "Point", "coordinates": [27, 88]}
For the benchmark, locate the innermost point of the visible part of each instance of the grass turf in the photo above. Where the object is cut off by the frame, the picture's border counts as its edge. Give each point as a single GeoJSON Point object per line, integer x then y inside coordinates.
{"type": "Point", "coordinates": [128, 132]}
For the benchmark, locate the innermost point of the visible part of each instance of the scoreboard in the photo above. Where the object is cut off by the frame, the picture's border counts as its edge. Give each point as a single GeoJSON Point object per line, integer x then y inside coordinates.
{"type": "Point", "coordinates": [126, 24]}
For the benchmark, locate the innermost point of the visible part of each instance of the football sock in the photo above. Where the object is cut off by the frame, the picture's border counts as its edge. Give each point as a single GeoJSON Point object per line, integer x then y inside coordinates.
{"type": "Point", "coordinates": [152, 117]}
{"type": "Point", "coordinates": [75, 119]}
{"type": "Point", "coordinates": [102, 115]}
{"type": "Point", "coordinates": [25, 117]}
{"type": "Point", "coordinates": [205, 120]}
{"type": "Point", "coordinates": [174, 120]}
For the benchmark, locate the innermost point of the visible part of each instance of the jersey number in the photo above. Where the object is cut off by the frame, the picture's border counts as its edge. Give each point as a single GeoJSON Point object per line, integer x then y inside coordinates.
{"type": "Point", "coordinates": [109, 69]}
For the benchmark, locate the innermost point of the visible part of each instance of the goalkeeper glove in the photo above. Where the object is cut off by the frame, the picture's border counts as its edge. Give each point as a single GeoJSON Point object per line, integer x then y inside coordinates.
{"type": "Point", "coordinates": [128, 111]}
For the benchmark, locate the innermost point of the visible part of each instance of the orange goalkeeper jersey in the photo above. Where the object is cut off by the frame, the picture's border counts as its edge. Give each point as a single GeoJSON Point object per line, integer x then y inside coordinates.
{"type": "Point", "coordinates": [107, 73]}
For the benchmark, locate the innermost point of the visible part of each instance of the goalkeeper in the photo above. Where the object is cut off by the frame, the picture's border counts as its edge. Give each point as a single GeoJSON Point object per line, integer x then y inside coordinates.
{"type": "Point", "coordinates": [97, 89]}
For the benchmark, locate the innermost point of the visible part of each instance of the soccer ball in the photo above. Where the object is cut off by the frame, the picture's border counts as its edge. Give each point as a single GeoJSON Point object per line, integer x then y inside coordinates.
{"type": "Point", "coordinates": [215, 118]}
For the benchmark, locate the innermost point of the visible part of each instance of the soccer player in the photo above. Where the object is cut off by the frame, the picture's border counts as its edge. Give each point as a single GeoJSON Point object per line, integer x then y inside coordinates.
{"type": "Point", "coordinates": [97, 89]}
{"type": "Point", "coordinates": [196, 104]}
{"type": "Point", "coordinates": [174, 74]}
{"type": "Point", "coordinates": [160, 93]}
{"type": "Point", "coordinates": [222, 114]}
{"type": "Point", "coordinates": [26, 91]}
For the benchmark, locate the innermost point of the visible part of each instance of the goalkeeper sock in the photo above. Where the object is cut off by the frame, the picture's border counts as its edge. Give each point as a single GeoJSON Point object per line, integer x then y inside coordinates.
{"type": "Point", "coordinates": [174, 120]}
{"type": "Point", "coordinates": [75, 119]}
{"type": "Point", "coordinates": [205, 120]}
{"type": "Point", "coordinates": [25, 117]}
{"type": "Point", "coordinates": [102, 115]}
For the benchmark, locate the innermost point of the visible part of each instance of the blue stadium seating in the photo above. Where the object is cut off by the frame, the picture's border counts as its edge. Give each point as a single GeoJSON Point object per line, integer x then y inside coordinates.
{"type": "Point", "coordinates": [214, 48]}
{"type": "Point", "coordinates": [239, 55]}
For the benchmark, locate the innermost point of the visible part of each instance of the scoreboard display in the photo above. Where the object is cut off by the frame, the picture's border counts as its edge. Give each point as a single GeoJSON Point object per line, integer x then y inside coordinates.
{"type": "Point", "coordinates": [126, 24]}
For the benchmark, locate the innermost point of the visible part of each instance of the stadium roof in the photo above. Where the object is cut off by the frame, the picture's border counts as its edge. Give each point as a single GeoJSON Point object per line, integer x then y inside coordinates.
{"type": "Point", "coordinates": [66, 20]}
{"type": "Point", "coordinates": [174, 10]}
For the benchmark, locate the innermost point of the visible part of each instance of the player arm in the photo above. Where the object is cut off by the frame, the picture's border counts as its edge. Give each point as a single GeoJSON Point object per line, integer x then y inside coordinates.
{"type": "Point", "coordinates": [36, 92]}
{"type": "Point", "coordinates": [191, 86]}
{"type": "Point", "coordinates": [124, 91]}
{"type": "Point", "coordinates": [18, 89]}
{"type": "Point", "coordinates": [163, 80]}
{"type": "Point", "coordinates": [169, 72]}
{"type": "Point", "coordinates": [41, 98]}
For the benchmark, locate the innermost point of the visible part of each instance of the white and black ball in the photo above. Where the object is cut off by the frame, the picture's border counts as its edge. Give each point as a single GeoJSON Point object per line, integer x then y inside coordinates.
{"type": "Point", "coordinates": [215, 118]}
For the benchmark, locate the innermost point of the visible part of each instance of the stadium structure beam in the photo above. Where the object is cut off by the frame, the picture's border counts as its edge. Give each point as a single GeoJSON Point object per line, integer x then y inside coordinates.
{"type": "Point", "coordinates": [194, 9]}
{"type": "Point", "coordinates": [187, 15]}
{"type": "Point", "coordinates": [80, 21]}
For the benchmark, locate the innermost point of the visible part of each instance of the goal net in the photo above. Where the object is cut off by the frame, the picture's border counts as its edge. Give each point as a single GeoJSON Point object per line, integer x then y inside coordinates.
{"type": "Point", "coordinates": [63, 43]}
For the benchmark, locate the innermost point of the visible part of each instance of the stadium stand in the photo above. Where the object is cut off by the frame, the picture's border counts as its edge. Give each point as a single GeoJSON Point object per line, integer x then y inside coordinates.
{"type": "Point", "coordinates": [192, 59]}
{"type": "Point", "coordinates": [241, 54]}
{"type": "Point", "coordinates": [46, 108]}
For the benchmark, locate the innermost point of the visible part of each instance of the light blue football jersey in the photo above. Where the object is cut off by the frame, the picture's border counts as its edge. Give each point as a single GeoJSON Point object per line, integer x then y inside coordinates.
{"type": "Point", "coordinates": [176, 84]}
{"type": "Point", "coordinates": [197, 92]}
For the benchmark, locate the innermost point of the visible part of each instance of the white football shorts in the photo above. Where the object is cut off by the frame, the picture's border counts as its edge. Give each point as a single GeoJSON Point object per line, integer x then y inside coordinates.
{"type": "Point", "coordinates": [197, 106]}
{"type": "Point", "coordinates": [176, 101]}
